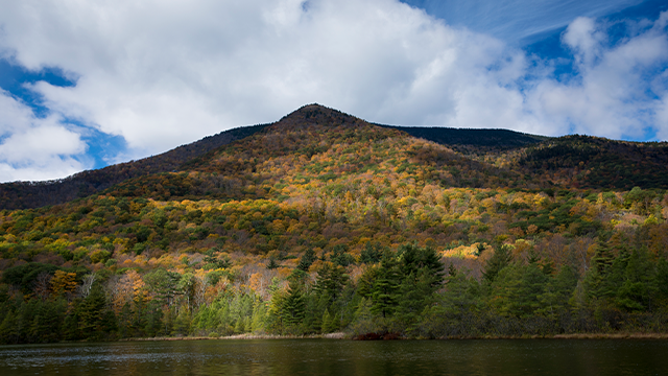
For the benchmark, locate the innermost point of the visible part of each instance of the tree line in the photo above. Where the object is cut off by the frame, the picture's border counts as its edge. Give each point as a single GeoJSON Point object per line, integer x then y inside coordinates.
{"type": "Point", "coordinates": [411, 292]}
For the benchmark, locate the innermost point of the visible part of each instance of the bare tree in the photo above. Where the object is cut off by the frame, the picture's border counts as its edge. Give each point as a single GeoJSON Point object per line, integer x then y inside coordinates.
{"type": "Point", "coordinates": [84, 289]}
{"type": "Point", "coordinates": [43, 285]}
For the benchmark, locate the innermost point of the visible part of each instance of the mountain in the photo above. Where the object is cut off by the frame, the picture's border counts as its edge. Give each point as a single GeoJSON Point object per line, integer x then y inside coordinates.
{"type": "Point", "coordinates": [23, 195]}
{"type": "Point", "coordinates": [491, 138]}
{"type": "Point", "coordinates": [313, 146]}
{"type": "Point", "coordinates": [571, 161]}
{"type": "Point", "coordinates": [323, 222]}
{"type": "Point", "coordinates": [593, 162]}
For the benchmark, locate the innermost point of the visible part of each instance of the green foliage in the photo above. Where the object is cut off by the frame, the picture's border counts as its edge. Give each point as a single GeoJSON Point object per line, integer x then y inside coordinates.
{"type": "Point", "coordinates": [307, 260]}
{"type": "Point", "coordinates": [497, 262]}
{"type": "Point", "coordinates": [24, 276]}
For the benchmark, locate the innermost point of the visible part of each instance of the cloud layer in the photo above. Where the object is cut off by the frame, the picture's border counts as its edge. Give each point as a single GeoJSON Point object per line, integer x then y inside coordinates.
{"type": "Point", "coordinates": [515, 20]}
{"type": "Point", "coordinates": [162, 73]}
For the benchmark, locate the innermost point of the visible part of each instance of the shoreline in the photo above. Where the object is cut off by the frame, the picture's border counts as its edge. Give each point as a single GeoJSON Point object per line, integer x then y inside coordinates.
{"type": "Point", "coordinates": [247, 336]}
{"type": "Point", "coordinates": [645, 336]}
{"type": "Point", "coordinates": [349, 336]}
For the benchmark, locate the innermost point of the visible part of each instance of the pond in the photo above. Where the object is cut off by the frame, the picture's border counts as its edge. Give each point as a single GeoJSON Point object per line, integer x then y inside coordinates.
{"type": "Point", "coordinates": [340, 357]}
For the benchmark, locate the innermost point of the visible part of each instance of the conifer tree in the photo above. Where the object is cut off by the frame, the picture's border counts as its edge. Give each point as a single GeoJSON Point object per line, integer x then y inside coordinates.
{"type": "Point", "coordinates": [330, 281]}
{"type": "Point", "coordinates": [385, 291]}
{"type": "Point", "coordinates": [325, 323]}
{"type": "Point", "coordinates": [499, 260]}
{"type": "Point", "coordinates": [293, 309]}
{"type": "Point", "coordinates": [307, 260]}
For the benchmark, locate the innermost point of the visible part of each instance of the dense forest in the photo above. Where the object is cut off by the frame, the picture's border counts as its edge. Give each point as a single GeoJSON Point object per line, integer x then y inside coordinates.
{"type": "Point", "coordinates": [324, 223]}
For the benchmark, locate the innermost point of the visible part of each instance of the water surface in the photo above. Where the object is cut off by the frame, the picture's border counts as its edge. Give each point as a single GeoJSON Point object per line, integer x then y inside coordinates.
{"type": "Point", "coordinates": [340, 357]}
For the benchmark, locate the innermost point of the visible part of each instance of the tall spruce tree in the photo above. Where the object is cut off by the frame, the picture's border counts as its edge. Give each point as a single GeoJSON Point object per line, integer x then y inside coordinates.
{"type": "Point", "coordinates": [385, 290]}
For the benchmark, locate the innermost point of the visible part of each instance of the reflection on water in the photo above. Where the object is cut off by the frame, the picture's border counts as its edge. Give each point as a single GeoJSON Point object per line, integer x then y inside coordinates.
{"type": "Point", "coordinates": [332, 357]}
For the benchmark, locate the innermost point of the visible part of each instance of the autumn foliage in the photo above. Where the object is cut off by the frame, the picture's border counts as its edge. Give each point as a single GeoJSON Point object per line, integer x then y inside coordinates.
{"type": "Point", "coordinates": [322, 222]}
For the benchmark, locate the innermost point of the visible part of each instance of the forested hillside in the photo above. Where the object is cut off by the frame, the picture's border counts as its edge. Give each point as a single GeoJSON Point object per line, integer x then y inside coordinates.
{"type": "Point", "coordinates": [591, 162]}
{"type": "Point", "coordinates": [24, 195]}
{"type": "Point", "coordinates": [322, 222]}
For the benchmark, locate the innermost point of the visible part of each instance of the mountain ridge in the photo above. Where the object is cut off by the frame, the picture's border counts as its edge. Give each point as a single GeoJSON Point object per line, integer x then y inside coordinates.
{"type": "Point", "coordinates": [615, 164]}
{"type": "Point", "coordinates": [323, 222]}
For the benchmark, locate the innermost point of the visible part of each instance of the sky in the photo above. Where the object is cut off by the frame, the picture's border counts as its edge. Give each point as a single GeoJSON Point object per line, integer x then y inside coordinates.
{"type": "Point", "coordinates": [85, 84]}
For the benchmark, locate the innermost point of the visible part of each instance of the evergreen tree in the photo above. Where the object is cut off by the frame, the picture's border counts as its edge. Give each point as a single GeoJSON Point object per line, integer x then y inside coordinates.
{"type": "Point", "coordinates": [637, 290]}
{"type": "Point", "coordinates": [557, 293]}
{"type": "Point", "coordinates": [415, 294]}
{"type": "Point", "coordinates": [452, 271]}
{"type": "Point", "coordinates": [154, 323]}
{"type": "Point", "coordinates": [497, 262]}
{"type": "Point", "coordinates": [293, 309]}
{"type": "Point", "coordinates": [10, 329]}
{"type": "Point", "coordinates": [330, 282]}
{"type": "Point", "coordinates": [259, 318]}
{"type": "Point", "coordinates": [532, 286]}
{"type": "Point", "coordinates": [372, 253]}
{"type": "Point", "coordinates": [91, 314]}
{"type": "Point", "coordinates": [340, 256]}
{"type": "Point", "coordinates": [240, 326]}
{"type": "Point", "coordinates": [307, 260]}
{"type": "Point", "coordinates": [182, 322]}
{"type": "Point", "coordinates": [326, 322]}
{"type": "Point", "coordinates": [272, 264]}
{"type": "Point", "coordinates": [603, 257]}
{"type": "Point", "coordinates": [661, 282]}
{"type": "Point", "coordinates": [385, 291]}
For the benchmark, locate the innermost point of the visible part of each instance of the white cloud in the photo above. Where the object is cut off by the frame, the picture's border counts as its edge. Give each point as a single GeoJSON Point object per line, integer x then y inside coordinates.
{"type": "Point", "coordinates": [616, 93]}
{"type": "Point", "coordinates": [162, 73]}
{"type": "Point", "coordinates": [34, 148]}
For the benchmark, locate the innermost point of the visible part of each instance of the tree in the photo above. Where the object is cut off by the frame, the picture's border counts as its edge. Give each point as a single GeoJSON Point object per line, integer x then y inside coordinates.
{"type": "Point", "coordinates": [164, 285]}
{"type": "Point", "coordinates": [497, 262]}
{"type": "Point", "coordinates": [557, 292]}
{"type": "Point", "coordinates": [272, 264]}
{"type": "Point", "coordinates": [63, 282]}
{"type": "Point", "coordinates": [372, 253]}
{"type": "Point", "coordinates": [307, 260]}
{"type": "Point", "coordinates": [385, 290]}
{"type": "Point", "coordinates": [330, 281]}
{"type": "Point", "coordinates": [293, 308]}
{"type": "Point", "coordinates": [94, 318]}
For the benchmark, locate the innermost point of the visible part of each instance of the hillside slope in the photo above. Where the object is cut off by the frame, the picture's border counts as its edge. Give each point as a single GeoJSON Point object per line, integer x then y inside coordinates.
{"type": "Point", "coordinates": [593, 162]}
{"type": "Point", "coordinates": [23, 195]}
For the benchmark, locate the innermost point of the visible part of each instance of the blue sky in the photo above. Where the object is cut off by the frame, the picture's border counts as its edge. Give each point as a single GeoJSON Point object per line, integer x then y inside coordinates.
{"type": "Point", "coordinates": [84, 85]}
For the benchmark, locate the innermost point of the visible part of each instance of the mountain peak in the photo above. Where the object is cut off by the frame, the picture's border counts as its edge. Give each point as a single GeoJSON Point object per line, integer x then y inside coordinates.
{"type": "Point", "coordinates": [318, 114]}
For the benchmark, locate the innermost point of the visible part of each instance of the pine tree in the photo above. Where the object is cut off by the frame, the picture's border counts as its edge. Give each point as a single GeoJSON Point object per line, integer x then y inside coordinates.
{"type": "Point", "coordinates": [9, 329]}
{"type": "Point", "coordinates": [500, 260]}
{"type": "Point", "coordinates": [91, 313]}
{"type": "Point", "coordinates": [293, 309]}
{"type": "Point", "coordinates": [385, 290]}
{"type": "Point", "coordinates": [325, 323]}
{"type": "Point", "coordinates": [240, 327]}
{"type": "Point", "coordinates": [452, 271]}
{"type": "Point", "coordinates": [603, 258]}
{"type": "Point", "coordinates": [334, 323]}
{"type": "Point", "coordinates": [307, 260]}
{"type": "Point", "coordinates": [272, 263]}
{"type": "Point", "coordinates": [330, 281]}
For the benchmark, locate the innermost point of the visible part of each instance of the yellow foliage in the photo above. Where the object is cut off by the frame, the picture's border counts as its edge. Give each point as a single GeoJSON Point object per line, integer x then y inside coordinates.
{"type": "Point", "coordinates": [63, 282]}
